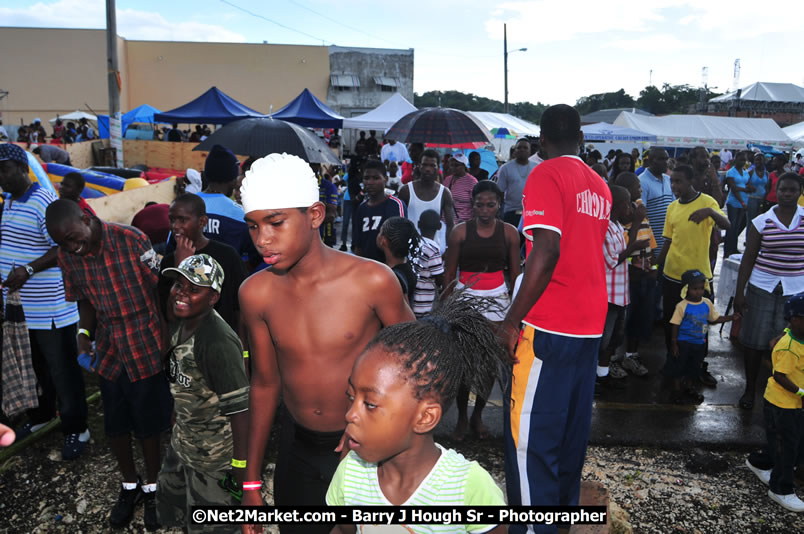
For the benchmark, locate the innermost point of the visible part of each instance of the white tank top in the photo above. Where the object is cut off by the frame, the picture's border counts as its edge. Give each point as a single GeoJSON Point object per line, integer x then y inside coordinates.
{"type": "Point", "coordinates": [417, 206]}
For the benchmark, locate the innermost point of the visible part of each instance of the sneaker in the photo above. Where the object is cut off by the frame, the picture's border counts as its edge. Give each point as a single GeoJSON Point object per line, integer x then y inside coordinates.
{"type": "Point", "coordinates": [789, 501]}
{"type": "Point", "coordinates": [343, 248]}
{"type": "Point", "coordinates": [762, 474]}
{"type": "Point", "coordinates": [123, 509]}
{"type": "Point", "coordinates": [74, 445]}
{"type": "Point", "coordinates": [27, 429]}
{"type": "Point", "coordinates": [616, 370]}
{"type": "Point", "coordinates": [149, 511]}
{"type": "Point", "coordinates": [634, 365]}
{"type": "Point", "coordinates": [706, 377]}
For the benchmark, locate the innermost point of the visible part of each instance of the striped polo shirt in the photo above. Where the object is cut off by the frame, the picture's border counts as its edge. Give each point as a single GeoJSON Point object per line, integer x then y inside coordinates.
{"type": "Point", "coordinates": [453, 481]}
{"type": "Point", "coordinates": [24, 238]}
{"type": "Point", "coordinates": [781, 253]}
{"type": "Point", "coordinates": [656, 195]}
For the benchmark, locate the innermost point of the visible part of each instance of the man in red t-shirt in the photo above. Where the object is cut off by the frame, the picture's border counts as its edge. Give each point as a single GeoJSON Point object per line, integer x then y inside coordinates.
{"type": "Point", "coordinates": [558, 317]}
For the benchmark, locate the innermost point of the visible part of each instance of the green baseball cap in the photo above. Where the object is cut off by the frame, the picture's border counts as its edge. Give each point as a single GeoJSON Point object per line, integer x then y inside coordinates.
{"type": "Point", "coordinates": [201, 270]}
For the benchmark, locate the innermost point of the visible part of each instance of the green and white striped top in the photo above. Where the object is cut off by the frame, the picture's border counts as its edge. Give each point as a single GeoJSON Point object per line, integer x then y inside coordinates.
{"type": "Point", "coordinates": [453, 481]}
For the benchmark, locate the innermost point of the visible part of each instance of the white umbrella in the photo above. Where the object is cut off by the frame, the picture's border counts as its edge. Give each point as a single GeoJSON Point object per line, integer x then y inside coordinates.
{"type": "Point", "coordinates": [74, 116]}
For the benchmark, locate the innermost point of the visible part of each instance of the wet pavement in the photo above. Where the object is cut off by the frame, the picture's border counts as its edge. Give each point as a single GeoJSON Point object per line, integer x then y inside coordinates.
{"type": "Point", "coordinates": [641, 414]}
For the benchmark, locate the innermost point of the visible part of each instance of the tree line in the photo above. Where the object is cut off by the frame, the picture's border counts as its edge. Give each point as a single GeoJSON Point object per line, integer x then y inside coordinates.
{"type": "Point", "coordinates": [670, 99]}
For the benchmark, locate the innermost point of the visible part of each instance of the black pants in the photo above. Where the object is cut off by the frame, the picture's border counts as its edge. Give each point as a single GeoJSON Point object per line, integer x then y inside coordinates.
{"type": "Point", "coordinates": [783, 429]}
{"type": "Point", "coordinates": [54, 355]}
{"type": "Point", "coordinates": [305, 466]}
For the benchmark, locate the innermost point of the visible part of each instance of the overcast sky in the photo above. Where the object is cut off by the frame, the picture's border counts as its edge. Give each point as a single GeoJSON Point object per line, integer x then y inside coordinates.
{"type": "Point", "coordinates": [575, 48]}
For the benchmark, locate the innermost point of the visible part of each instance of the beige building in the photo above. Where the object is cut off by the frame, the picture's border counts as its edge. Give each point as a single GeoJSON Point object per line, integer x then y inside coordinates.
{"type": "Point", "coordinates": [46, 72]}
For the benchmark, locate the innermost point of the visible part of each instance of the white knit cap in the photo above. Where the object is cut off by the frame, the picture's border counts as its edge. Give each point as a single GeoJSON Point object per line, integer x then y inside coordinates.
{"type": "Point", "coordinates": [279, 181]}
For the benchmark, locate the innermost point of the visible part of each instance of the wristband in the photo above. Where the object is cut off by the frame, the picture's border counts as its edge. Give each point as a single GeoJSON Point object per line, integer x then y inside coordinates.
{"type": "Point", "coordinates": [245, 354]}
{"type": "Point", "coordinates": [85, 332]}
{"type": "Point", "coordinates": [238, 463]}
{"type": "Point", "coordinates": [800, 392]}
{"type": "Point", "coordinates": [252, 486]}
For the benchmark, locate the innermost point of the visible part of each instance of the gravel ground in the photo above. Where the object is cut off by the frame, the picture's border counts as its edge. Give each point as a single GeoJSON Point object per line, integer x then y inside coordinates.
{"type": "Point", "coordinates": [657, 491]}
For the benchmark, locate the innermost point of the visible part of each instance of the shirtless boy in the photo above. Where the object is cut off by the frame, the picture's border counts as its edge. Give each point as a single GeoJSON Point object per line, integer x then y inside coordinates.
{"type": "Point", "coordinates": [293, 351]}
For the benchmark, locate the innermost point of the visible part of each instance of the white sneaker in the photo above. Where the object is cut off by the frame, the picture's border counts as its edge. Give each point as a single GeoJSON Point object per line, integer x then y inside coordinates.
{"type": "Point", "coordinates": [616, 371]}
{"type": "Point", "coordinates": [789, 501]}
{"type": "Point", "coordinates": [634, 365]}
{"type": "Point", "coordinates": [762, 474]}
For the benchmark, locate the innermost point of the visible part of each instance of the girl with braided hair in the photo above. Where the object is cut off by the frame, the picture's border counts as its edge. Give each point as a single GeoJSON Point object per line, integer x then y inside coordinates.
{"type": "Point", "coordinates": [400, 385]}
{"type": "Point", "coordinates": [399, 241]}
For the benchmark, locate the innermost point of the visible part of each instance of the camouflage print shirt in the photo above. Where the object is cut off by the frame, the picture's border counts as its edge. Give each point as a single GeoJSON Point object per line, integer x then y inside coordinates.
{"type": "Point", "coordinates": [208, 383]}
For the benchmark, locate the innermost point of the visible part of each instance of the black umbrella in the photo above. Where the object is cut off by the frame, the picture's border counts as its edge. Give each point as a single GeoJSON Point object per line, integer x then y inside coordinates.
{"type": "Point", "coordinates": [441, 127]}
{"type": "Point", "coordinates": [259, 137]}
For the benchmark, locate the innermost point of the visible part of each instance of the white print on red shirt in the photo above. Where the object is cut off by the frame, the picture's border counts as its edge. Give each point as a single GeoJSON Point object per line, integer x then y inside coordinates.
{"type": "Point", "coordinates": [592, 204]}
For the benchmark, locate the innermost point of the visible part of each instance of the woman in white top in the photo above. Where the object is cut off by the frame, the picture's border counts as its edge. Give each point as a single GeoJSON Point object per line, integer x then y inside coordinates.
{"type": "Point", "coordinates": [773, 269]}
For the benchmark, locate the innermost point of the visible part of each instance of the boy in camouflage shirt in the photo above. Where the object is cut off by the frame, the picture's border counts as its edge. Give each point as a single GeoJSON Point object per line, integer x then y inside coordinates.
{"type": "Point", "coordinates": [210, 392]}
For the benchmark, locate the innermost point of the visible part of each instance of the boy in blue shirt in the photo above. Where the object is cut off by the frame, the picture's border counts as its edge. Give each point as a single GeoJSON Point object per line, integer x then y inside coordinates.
{"type": "Point", "coordinates": [690, 324]}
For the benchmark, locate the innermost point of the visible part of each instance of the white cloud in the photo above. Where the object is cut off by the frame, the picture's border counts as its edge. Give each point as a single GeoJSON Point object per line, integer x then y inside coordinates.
{"type": "Point", "coordinates": [652, 42]}
{"type": "Point", "coordinates": [550, 20]}
{"type": "Point", "coordinates": [131, 23]}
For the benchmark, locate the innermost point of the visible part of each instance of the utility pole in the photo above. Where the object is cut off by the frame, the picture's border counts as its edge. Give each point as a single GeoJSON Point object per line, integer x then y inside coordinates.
{"type": "Point", "coordinates": [505, 65]}
{"type": "Point", "coordinates": [113, 77]}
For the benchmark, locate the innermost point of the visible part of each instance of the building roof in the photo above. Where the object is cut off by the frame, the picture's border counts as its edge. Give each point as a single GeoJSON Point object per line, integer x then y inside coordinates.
{"type": "Point", "coordinates": [333, 49]}
{"type": "Point", "coordinates": [610, 115]}
{"type": "Point", "coordinates": [766, 92]}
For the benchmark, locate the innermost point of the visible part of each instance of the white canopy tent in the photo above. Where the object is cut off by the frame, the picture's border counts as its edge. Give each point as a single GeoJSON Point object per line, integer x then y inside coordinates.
{"type": "Point", "coordinates": [493, 120]}
{"type": "Point", "coordinates": [516, 126]}
{"type": "Point", "coordinates": [382, 117]}
{"type": "Point", "coordinates": [709, 131]}
{"type": "Point", "coordinates": [796, 133]}
{"type": "Point", "coordinates": [74, 116]}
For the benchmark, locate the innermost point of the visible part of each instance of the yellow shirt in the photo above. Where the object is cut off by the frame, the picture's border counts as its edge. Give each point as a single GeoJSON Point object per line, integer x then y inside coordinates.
{"type": "Point", "coordinates": [788, 358]}
{"type": "Point", "coordinates": [690, 247]}
{"type": "Point", "coordinates": [801, 200]}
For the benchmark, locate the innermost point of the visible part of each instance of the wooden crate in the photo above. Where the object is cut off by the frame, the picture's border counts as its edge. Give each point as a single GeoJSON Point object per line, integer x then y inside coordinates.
{"type": "Point", "coordinates": [164, 155]}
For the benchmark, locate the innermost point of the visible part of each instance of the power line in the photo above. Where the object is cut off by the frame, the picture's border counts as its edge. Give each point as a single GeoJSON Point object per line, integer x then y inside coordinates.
{"type": "Point", "coordinates": [425, 50]}
{"type": "Point", "coordinates": [257, 15]}
{"type": "Point", "coordinates": [311, 10]}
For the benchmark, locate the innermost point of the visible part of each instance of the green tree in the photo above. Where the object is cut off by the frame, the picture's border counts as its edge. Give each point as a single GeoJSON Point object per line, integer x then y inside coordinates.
{"type": "Point", "coordinates": [469, 102]}
{"type": "Point", "coordinates": [596, 102]}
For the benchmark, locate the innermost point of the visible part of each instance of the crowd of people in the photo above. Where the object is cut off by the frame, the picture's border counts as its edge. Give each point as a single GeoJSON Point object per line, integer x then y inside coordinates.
{"type": "Point", "coordinates": [544, 278]}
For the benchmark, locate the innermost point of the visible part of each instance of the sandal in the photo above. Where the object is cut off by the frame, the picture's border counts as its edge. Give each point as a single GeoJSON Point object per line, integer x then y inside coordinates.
{"type": "Point", "coordinates": [747, 401]}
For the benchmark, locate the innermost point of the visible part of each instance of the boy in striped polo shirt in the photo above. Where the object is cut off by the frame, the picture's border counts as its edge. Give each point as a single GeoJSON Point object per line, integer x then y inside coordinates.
{"type": "Point", "coordinates": [28, 265]}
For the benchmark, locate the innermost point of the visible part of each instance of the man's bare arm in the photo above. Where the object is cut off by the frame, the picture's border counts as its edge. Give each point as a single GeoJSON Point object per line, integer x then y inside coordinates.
{"type": "Point", "coordinates": [391, 305]}
{"type": "Point", "coordinates": [538, 272]}
{"type": "Point", "coordinates": [265, 382]}
{"type": "Point", "coordinates": [539, 268]}
{"type": "Point", "coordinates": [454, 244]}
{"type": "Point", "coordinates": [239, 422]}
{"type": "Point", "coordinates": [448, 209]}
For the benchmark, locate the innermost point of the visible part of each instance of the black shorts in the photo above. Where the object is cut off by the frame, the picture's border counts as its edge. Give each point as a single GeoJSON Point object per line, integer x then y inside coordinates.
{"type": "Point", "coordinates": [306, 464]}
{"type": "Point", "coordinates": [688, 363]}
{"type": "Point", "coordinates": [143, 408]}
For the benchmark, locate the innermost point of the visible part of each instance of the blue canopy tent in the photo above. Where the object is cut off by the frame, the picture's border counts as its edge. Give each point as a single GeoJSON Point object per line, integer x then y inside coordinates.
{"type": "Point", "coordinates": [307, 110]}
{"type": "Point", "coordinates": [602, 131]}
{"type": "Point", "coordinates": [143, 113]}
{"type": "Point", "coordinates": [214, 106]}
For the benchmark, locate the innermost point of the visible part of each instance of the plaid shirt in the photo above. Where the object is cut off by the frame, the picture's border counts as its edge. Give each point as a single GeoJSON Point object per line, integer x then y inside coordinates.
{"type": "Point", "coordinates": [120, 283]}
{"type": "Point", "coordinates": [616, 271]}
